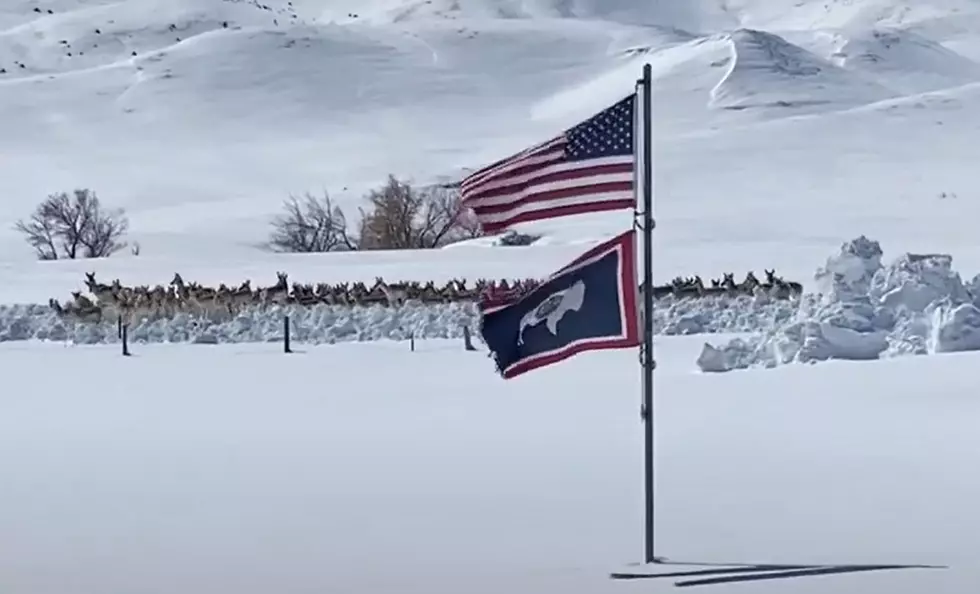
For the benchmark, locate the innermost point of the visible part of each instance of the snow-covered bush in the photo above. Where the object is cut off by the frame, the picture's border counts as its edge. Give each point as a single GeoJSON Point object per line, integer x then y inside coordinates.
{"type": "Point", "coordinates": [515, 239]}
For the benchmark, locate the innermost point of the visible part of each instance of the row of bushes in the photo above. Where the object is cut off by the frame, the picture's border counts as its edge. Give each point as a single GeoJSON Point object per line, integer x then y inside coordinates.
{"type": "Point", "coordinates": [395, 216]}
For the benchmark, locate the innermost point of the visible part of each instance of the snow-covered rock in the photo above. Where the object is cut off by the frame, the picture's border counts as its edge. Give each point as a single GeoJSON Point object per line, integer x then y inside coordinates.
{"type": "Point", "coordinates": [917, 304]}
{"type": "Point", "coordinates": [737, 354]}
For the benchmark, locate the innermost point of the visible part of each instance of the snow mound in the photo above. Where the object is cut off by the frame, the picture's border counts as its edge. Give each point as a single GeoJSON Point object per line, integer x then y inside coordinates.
{"type": "Point", "coordinates": [765, 70]}
{"type": "Point", "coordinates": [901, 60]}
{"type": "Point", "coordinates": [328, 324]}
{"type": "Point", "coordinates": [864, 310]}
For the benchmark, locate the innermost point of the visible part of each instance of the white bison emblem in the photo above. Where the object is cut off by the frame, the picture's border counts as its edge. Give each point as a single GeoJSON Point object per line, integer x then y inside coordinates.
{"type": "Point", "coordinates": [553, 309]}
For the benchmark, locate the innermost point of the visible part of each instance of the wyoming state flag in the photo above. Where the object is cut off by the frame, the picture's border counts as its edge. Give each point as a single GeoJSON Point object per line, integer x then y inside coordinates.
{"type": "Point", "coordinates": [589, 305]}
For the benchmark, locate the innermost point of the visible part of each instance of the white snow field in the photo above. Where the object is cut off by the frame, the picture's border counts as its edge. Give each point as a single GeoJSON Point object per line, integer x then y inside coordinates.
{"type": "Point", "coordinates": [797, 135]}
{"type": "Point", "coordinates": [370, 468]}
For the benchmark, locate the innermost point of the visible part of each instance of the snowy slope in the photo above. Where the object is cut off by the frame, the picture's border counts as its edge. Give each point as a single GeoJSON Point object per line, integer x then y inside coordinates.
{"type": "Point", "coordinates": [204, 131]}
{"type": "Point", "coordinates": [901, 60]}
{"type": "Point", "coordinates": [693, 16]}
{"type": "Point", "coordinates": [217, 128]}
{"type": "Point", "coordinates": [766, 71]}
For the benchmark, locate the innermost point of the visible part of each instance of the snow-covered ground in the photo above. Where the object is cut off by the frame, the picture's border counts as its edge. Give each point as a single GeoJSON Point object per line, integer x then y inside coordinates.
{"type": "Point", "coordinates": [784, 130]}
{"type": "Point", "coordinates": [370, 468]}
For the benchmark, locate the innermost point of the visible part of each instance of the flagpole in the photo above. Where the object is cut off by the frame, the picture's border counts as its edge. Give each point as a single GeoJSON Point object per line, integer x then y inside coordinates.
{"type": "Point", "coordinates": [647, 361]}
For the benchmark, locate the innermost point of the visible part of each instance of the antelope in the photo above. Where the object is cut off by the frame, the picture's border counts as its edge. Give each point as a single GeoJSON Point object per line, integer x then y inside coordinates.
{"type": "Point", "coordinates": [224, 301]}
{"type": "Point", "coordinates": [750, 284]}
{"type": "Point", "coordinates": [101, 292]}
{"type": "Point", "coordinates": [278, 292]}
{"type": "Point", "coordinates": [82, 301]}
{"type": "Point", "coordinates": [728, 282]}
{"type": "Point", "coordinates": [395, 294]}
{"type": "Point", "coordinates": [783, 289]}
{"type": "Point", "coordinates": [92, 314]}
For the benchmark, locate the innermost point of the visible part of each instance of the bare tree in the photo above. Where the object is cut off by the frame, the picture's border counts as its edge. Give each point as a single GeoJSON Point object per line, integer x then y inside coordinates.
{"type": "Point", "coordinates": [402, 217]}
{"type": "Point", "coordinates": [40, 233]}
{"type": "Point", "coordinates": [103, 230]}
{"type": "Point", "coordinates": [74, 226]}
{"type": "Point", "coordinates": [310, 224]}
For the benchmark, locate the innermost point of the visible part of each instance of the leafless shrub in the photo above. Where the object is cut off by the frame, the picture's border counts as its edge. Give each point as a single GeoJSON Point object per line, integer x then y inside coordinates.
{"type": "Point", "coordinates": [74, 226]}
{"type": "Point", "coordinates": [400, 216]}
{"type": "Point", "coordinates": [310, 224]}
{"type": "Point", "coordinates": [397, 216]}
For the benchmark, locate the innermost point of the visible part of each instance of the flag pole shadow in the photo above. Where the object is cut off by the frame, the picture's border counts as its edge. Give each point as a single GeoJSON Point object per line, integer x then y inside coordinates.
{"type": "Point", "coordinates": [710, 573]}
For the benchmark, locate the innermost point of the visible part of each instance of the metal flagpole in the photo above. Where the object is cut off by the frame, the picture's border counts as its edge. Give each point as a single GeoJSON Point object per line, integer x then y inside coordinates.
{"type": "Point", "coordinates": [713, 573]}
{"type": "Point", "coordinates": [647, 360]}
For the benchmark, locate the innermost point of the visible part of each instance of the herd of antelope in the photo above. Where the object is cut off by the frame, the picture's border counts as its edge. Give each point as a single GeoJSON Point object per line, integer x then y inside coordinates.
{"type": "Point", "coordinates": [114, 301]}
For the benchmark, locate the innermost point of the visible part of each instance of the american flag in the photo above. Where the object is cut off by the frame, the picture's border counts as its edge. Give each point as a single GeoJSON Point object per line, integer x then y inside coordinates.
{"type": "Point", "coordinates": [586, 169]}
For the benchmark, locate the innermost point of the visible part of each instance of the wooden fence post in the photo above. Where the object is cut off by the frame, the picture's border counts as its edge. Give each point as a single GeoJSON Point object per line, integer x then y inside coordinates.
{"type": "Point", "coordinates": [125, 340]}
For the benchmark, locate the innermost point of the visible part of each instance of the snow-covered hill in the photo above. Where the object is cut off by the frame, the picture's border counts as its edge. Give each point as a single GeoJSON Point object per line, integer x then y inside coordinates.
{"type": "Point", "coordinates": [200, 116]}
{"type": "Point", "coordinates": [902, 60]}
{"type": "Point", "coordinates": [764, 70]}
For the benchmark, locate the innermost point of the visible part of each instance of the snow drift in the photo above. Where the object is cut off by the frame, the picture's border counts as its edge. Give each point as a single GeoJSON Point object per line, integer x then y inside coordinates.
{"type": "Point", "coordinates": [917, 304]}
{"type": "Point", "coordinates": [329, 324]}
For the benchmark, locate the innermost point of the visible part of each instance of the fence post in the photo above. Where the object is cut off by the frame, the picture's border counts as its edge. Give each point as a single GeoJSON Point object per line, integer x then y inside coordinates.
{"type": "Point", "coordinates": [286, 348]}
{"type": "Point", "coordinates": [124, 331]}
{"type": "Point", "coordinates": [467, 339]}
{"type": "Point", "coordinates": [119, 327]}
{"type": "Point", "coordinates": [411, 341]}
